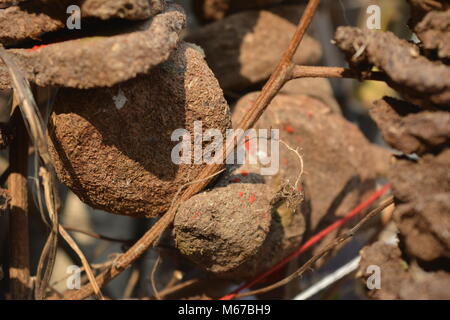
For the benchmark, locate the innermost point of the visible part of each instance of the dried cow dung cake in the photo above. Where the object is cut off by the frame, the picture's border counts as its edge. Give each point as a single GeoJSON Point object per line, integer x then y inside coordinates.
{"type": "Point", "coordinates": [236, 231]}
{"type": "Point", "coordinates": [217, 9]}
{"type": "Point", "coordinates": [112, 146]}
{"type": "Point", "coordinates": [434, 32]}
{"type": "Point", "coordinates": [37, 17]}
{"type": "Point", "coordinates": [419, 8]}
{"type": "Point", "coordinates": [101, 60]}
{"type": "Point", "coordinates": [400, 279]}
{"type": "Point", "coordinates": [423, 214]}
{"type": "Point", "coordinates": [421, 81]}
{"type": "Point", "coordinates": [251, 44]}
{"type": "Point", "coordinates": [409, 128]}
{"type": "Point", "coordinates": [340, 166]}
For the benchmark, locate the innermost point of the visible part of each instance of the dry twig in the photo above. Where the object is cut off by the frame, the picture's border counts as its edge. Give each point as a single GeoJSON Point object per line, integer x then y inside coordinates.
{"type": "Point", "coordinates": [19, 269]}
{"type": "Point", "coordinates": [83, 259]}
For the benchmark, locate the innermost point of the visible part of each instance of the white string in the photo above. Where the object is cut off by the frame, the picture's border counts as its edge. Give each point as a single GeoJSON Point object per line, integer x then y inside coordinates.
{"type": "Point", "coordinates": [330, 279]}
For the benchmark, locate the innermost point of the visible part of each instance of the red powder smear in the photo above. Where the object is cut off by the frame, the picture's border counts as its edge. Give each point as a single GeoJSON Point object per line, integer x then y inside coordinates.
{"type": "Point", "coordinates": [285, 161]}
{"type": "Point", "coordinates": [247, 143]}
{"type": "Point", "coordinates": [37, 47]}
{"type": "Point", "coordinates": [300, 188]}
{"type": "Point", "coordinates": [244, 173]}
{"type": "Point", "coordinates": [241, 194]}
{"type": "Point", "coordinates": [289, 129]}
{"type": "Point", "coordinates": [235, 180]}
{"type": "Point", "coordinates": [195, 215]}
{"type": "Point", "coordinates": [252, 198]}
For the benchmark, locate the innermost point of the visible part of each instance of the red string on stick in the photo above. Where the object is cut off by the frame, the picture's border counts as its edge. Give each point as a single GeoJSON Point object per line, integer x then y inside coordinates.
{"type": "Point", "coordinates": [312, 241]}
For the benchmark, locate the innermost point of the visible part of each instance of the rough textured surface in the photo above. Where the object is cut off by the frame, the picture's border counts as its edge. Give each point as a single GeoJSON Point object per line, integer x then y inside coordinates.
{"type": "Point", "coordinates": [113, 146]}
{"type": "Point", "coordinates": [425, 226]}
{"type": "Point", "coordinates": [409, 129]}
{"type": "Point", "coordinates": [434, 32]}
{"type": "Point", "coordinates": [125, 9]}
{"type": "Point", "coordinates": [217, 9]}
{"type": "Point", "coordinates": [34, 18]}
{"type": "Point", "coordinates": [27, 25]}
{"type": "Point", "coordinates": [418, 79]}
{"type": "Point", "coordinates": [5, 135]}
{"type": "Point", "coordinates": [423, 215]}
{"type": "Point", "coordinates": [5, 199]}
{"type": "Point", "coordinates": [251, 44]}
{"type": "Point", "coordinates": [101, 61]}
{"type": "Point", "coordinates": [399, 280]}
{"type": "Point", "coordinates": [340, 165]}
{"type": "Point", "coordinates": [235, 231]}
{"type": "Point", "coordinates": [419, 8]}
{"type": "Point", "coordinates": [317, 88]}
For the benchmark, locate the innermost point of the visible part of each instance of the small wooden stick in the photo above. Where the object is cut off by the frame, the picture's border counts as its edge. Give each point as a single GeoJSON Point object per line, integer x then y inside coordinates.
{"type": "Point", "coordinates": [19, 269]}
{"type": "Point", "coordinates": [335, 72]}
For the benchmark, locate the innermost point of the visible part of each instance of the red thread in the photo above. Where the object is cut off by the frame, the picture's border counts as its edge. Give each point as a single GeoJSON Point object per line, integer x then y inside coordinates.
{"type": "Point", "coordinates": [322, 234]}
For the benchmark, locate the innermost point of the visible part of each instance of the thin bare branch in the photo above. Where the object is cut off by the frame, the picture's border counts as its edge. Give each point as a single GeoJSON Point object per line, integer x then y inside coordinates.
{"type": "Point", "coordinates": [83, 259]}
{"type": "Point", "coordinates": [36, 130]}
{"type": "Point", "coordinates": [335, 72]}
{"type": "Point", "coordinates": [97, 235]}
{"type": "Point", "coordinates": [19, 269]}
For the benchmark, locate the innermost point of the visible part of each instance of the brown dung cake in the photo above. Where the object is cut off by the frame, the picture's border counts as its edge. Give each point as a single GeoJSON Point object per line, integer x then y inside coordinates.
{"type": "Point", "coordinates": [112, 146]}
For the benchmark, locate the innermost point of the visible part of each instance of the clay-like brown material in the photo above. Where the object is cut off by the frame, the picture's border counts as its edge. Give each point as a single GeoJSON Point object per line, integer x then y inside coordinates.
{"type": "Point", "coordinates": [35, 18]}
{"type": "Point", "coordinates": [251, 44]}
{"type": "Point", "coordinates": [409, 129]}
{"type": "Point", "coordinates": [423, 216]}
{"type": "Point", "coordinates": [209, 10]}
{"type": "Point", "coordinates": [418, 79]}
{"type": "Point", "coordinates": [400, 280]}
{"type": "Point", "coordinates": [340, 165]}
{"type": "Point", "coordinates": [235, 231]}
{"type": "Point", "coordinates": [101, 61]}
{"type": "Point", "coordinates": [434, 32]}
{"type": "Point", "coordinates": [113, 146]}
